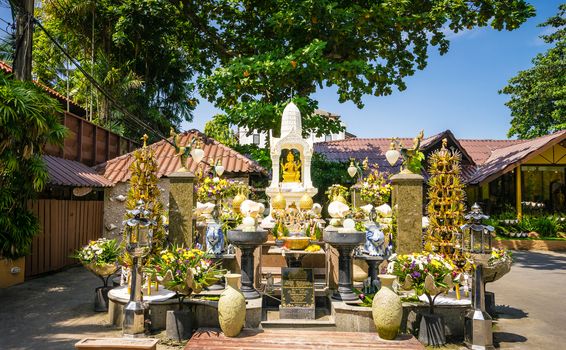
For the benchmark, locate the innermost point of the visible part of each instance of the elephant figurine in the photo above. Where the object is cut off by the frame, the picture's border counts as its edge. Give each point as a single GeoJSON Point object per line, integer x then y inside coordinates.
{"type": "Point", "coordinates": [375, 241]}
{"type": "Point", "coordinates": [214, 239]}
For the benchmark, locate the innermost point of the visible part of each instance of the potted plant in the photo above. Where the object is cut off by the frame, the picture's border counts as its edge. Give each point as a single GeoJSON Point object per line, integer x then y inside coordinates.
{"type": "Point", "coordinates": [101, 258]}
{"type": "Point", "coordinates": [184, 271]}
{"type": "Point", "coordinates": [429, 274]}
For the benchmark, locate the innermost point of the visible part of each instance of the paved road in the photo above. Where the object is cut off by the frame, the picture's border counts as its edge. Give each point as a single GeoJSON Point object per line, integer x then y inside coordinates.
{"type": "Point", "coordinates": [531, 302]}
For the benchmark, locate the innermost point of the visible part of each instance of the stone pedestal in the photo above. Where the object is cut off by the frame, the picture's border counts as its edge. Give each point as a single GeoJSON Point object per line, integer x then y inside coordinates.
{"type": "Point", "coordinates": [181, 204]}
{"type": "Point", "coordinates": [408, 206]}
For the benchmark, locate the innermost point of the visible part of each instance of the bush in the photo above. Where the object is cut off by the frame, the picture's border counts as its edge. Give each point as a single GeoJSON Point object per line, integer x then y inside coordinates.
{"type": "Point", "coordinates": [29, 119]}
{"type": "Point", "coordinates": [546, 226]}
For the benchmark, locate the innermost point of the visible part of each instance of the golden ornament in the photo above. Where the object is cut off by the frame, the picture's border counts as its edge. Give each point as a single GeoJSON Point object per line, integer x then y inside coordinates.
{"type": "Point", "coordinates": [279, 202]}
{"type": "Point", "coordinates": [306, 202]}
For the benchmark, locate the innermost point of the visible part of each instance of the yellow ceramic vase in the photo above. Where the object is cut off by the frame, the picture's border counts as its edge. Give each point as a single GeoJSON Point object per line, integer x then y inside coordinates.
{"type": "Point", "coordinates": [232, 307]}
{"type": "Point", "coordinates": [387, 309]}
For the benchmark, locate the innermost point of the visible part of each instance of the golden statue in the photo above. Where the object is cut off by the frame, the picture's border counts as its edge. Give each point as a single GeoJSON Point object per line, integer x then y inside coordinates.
{"type": "Point", "coordinates": [291, 169]}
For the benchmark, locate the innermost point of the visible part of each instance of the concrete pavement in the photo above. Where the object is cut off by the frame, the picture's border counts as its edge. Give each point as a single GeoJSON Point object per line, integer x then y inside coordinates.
{"type": "Point", "coordinates": [53, 312]}
{"type": "Point", "coordinates": [531, 302]}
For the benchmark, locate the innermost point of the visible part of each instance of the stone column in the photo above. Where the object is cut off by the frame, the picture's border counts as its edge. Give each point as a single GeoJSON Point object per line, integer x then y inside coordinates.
{"type": "Point", "coordinates": [181, 204]}
{"type": "Point", "coordinates": [408, 206]}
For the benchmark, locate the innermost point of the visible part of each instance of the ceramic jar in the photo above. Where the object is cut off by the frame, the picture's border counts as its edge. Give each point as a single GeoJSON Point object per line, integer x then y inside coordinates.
{"type": "Point", "coordinates": [387, 309]}
{"type": "Point", "coordinates": [232, 307]}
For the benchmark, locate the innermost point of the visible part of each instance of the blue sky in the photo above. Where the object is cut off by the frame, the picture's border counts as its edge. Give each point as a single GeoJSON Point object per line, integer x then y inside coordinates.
{"type": "Point", "coordinates": [457, 91]}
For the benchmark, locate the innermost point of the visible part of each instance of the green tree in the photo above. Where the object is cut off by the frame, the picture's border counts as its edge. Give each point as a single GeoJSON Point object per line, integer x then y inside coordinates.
{"type": "Point", "coordinates": [538, 94]}
{"type": "Point", "coordinates": [28, 120]}
{"type": "Point", "coordinates": [220, 129]}
{"type": "Point", "coordinates": [133, 48]}
{"type": "Point", "coordinates": [272, 51]}
{"type": "Point", "coordinates": [328, 173]}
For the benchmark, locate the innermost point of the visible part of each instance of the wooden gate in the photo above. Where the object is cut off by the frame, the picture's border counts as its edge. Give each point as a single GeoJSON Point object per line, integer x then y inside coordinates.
{"type": "Point", "coordinates": [66, 225]}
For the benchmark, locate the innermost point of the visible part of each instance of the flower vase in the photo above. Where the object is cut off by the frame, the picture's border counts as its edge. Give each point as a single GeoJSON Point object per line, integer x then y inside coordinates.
{"type": "Point", "coordinates": [232, 307]}
{"type": "Point", "coordinates": [387, 309]}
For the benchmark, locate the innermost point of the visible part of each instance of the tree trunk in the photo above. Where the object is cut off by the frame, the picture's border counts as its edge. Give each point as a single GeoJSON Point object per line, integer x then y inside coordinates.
{"type": "Point", "coordinates": [24, 37]}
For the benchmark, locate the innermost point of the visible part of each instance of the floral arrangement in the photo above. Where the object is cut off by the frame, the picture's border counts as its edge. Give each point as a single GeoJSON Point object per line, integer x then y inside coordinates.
{"type": "Point", "coordinates": [375, 188]}
{"type": "Point", "coordinates": [103, 251]}
{"type": "Point", "coordinates": [499, 256]}
{"type": "Point", "coordinates": [336, 191]}
{"type": "Point", "coordinates": [100, 256]}
{"type": "Point", "coordinates": [184, 270]}
{"type": "Point", "coordinates": [426, 273]}
{"type": "Point", "coordinates": [212, 188]}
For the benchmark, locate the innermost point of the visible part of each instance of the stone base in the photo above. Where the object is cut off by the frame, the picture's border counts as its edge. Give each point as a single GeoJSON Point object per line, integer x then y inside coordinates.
{"type": "Point", "coordinates": [352, 318]}
{"type": "Point", "coordinates": [297, 313]}
{"type": "Point", "coordinates": [205, 312]}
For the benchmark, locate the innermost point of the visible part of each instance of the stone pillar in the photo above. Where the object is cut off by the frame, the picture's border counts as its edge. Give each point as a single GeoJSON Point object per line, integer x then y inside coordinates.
{"type": "Point", "coordinates": [181, 204]}
{"type": "Point", "coordinates": [408, 207]}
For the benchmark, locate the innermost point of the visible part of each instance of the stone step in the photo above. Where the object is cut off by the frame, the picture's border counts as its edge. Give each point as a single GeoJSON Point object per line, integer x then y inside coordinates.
{"type": "Point", "coordinates": [312, 325]}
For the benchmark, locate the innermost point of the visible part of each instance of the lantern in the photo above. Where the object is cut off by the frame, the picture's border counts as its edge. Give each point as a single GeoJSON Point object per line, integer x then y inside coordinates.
{"type": "Point", "coordinates": [393, 154]}
{"type": "Point", "coordinates": [139, 235]}
{"type": "Point", "coordinates": [219, 169]}
{"type": "Point", "coordinates": [476, 237]}
{"type": "Point", "coordinates": [352, 170]}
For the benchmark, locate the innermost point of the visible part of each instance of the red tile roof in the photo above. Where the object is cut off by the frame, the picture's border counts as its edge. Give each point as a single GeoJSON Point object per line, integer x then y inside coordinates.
{"type": "Point", "coordinates": [503, 160]}
{"type": "Point", "coordinates": [118, 169]}
{"type": "Point", "coordinates": [480, 150]}
{"type": "Point", "coordinates": [374, 148]}
{"type": "Point", "coordinates": [487, 158]}
{"type": "Point", "coordinates": [65, 172]}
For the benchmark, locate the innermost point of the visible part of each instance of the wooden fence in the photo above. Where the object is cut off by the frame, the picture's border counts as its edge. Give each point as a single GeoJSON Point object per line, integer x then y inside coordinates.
{"type": "Point", "coordinates": [88, 143]}
{"type": "Point", "coordinates": [66, 225]}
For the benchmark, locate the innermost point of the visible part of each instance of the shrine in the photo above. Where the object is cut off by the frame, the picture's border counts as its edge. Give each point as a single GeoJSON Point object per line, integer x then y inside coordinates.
{"type": "Point", "coordinates": [291, 159]}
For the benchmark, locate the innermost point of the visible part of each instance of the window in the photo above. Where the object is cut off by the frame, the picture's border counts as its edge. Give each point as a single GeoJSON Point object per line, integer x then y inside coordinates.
{"type": "Point", "coordinates": [255, 140]}
{"type": "Point", "coordinates": [328, 137]}
{"type": "Point", "coordinates": [545, 187]}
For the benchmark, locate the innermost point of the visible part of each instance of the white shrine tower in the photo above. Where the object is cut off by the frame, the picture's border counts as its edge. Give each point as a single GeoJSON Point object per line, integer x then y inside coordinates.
{"type": "Point", "coordinates": [291, 176]}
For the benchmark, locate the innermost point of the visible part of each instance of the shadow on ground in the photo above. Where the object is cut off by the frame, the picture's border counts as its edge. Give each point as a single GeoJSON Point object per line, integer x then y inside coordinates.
{"type": "Point", "coordinates": [539, 261]}
{"type": "Point", "coordinates": [509, 312]}
{"type": "Point", "coordinates": [506, 337]}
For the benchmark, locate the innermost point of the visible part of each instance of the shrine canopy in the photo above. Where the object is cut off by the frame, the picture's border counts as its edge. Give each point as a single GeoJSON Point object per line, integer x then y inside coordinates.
{"type": "Point", "coordinates": [291, 159]}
